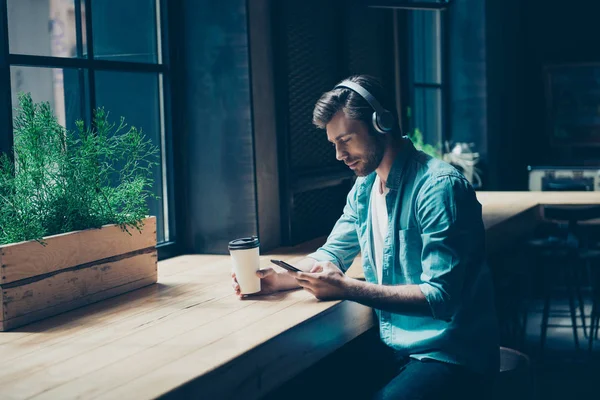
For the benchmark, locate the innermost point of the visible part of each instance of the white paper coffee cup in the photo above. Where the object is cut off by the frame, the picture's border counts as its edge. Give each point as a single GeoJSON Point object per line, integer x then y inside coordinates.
{"type": "Point", "coordinates": [245, 259]}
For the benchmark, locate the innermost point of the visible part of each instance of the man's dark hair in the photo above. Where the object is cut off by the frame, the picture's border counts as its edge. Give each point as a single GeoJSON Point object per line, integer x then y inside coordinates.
{"type": "Point", "coordinates": [353, 105]}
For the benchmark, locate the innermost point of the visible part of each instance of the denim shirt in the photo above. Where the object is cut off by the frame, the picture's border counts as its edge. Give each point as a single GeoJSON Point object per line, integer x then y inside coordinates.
{"type": "Point", "coordinates": [435, 239]}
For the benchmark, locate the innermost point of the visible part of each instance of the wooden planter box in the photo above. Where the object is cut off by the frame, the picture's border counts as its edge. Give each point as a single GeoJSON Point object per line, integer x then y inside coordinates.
{"type": "Point", "coordinates": [74, 269]}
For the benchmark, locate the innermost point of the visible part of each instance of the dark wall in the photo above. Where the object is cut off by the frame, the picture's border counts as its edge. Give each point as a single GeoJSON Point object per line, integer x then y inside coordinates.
{"type": "Point", "coordinates": [318, 43]}
{"type": "Point", "coordinates": [506, 152]}
{"type": "Point", "coordinates": [213, 113]}
{"type": "Point", "coordinates": [555, 32]}
{"type": "Point", "coordinates": [486, 79]}
{"type": "Point", "coordinates": [521, 38]}
{"type": "Point", "coordinates": [215, 125]}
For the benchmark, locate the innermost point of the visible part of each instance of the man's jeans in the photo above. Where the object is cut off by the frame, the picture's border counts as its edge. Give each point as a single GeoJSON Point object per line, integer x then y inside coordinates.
{"type": "Point", "coordinates": [430, 379]}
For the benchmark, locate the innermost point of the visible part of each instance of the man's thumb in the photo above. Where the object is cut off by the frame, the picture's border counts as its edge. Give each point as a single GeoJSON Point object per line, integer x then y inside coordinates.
{"type": "Point", "coordinates": [264, 272]}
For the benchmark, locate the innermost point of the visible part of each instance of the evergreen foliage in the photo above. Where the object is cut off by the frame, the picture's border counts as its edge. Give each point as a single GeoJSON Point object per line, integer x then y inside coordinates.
{"type": "Point", "coordinates": [60, 181]}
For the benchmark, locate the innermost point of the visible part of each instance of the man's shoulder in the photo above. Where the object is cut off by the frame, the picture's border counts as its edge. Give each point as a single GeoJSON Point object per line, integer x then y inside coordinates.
{"type": "Point", "coordinates": [431, 169]}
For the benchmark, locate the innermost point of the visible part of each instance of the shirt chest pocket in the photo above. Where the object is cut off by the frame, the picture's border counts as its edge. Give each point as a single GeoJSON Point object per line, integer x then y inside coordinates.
{"type": "Point", "coordinates": [410, 246]}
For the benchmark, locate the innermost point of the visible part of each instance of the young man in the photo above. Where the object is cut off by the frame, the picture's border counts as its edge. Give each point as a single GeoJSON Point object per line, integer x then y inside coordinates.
{"type": "Point", "coordinates": [418, 225]}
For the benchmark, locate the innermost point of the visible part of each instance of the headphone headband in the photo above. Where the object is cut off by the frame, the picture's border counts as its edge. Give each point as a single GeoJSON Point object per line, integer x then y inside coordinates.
{"type": "Point", "coordinates": [364, 93]}
{"type": "Point", "coordinates": [382, 119]}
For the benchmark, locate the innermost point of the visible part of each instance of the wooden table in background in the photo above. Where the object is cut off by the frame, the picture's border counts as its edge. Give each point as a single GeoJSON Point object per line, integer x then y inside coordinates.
{"type": "Point", "coordinates": [189, 335]}
{"type": "Point", "coordinates": [510, 215]}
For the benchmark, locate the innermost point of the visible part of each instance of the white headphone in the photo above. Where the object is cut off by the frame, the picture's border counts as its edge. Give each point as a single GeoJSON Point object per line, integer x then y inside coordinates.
{"type": "Point", "coordinates": [383, 120]}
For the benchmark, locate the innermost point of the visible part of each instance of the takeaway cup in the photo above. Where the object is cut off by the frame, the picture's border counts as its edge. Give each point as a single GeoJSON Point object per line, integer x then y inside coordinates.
{"type": "Point", "coordinates": [244, 257]}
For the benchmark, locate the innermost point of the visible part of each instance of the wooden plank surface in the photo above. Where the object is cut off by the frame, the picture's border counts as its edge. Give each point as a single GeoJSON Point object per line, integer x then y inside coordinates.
{"type": "Point", "coordinates": [500, 206]}
{"type": "Point", "coordinates": [27, 259]}
{"type": "Point", "coordinates": [192, 311]}
{"type": "Point", "coordinates": [190, 335]}
{"type": "Point", "coordinates": [267, 365]}
{"type": "Point", "coordinates": [71, 289]}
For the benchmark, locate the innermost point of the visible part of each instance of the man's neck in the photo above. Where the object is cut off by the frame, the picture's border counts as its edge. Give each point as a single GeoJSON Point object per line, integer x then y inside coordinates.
{"type": "Point", "coordinates": [391, 151]}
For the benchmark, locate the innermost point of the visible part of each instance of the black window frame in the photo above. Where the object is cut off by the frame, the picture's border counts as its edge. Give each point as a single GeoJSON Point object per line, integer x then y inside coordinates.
{"type": "Point", "coordinates": [87, 62]}
{"type": "Point", "coordinates": [409, 4]}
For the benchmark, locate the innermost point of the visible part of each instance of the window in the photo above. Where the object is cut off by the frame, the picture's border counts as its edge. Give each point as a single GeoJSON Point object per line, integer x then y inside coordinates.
{"type": "Point", "coordinates": [426, 112]}
{"type": "Point", "coordinates": [81, 54]}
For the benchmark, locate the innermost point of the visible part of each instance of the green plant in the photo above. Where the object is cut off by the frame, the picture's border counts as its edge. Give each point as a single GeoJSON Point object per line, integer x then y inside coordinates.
{"type": "Point", "coordinates": [417, 138]}
{"type": "Point", "coordinates": [61, 181]}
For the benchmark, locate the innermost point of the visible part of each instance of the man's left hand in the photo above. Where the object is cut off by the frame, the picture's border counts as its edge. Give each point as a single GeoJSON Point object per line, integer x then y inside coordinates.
{"type": "Point", "coordinates": [325, 281]}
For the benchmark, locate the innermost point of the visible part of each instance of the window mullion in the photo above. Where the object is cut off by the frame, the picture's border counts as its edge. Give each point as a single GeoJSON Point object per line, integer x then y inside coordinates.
{"type": "Point", "coordinates": [444, 48]}
{"type": "Point", "coordinates": [159, 34]}
{"type": "Point", "coordinates": [78, 28]}
{"type": "Point", "coordinates": [90, 54]}
{"type": "Point", "coordinates": [6, 138]}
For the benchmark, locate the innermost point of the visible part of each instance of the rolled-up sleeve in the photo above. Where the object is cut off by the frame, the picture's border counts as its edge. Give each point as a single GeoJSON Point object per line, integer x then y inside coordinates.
{"type": "Point", "coordinates": [342, 245]}
{"type": "Point", "coordinates": [450, 221]}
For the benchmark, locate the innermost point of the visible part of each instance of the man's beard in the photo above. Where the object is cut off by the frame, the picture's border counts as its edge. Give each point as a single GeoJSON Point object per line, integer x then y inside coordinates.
{"type": "Point", "coordinates": [372, 157]}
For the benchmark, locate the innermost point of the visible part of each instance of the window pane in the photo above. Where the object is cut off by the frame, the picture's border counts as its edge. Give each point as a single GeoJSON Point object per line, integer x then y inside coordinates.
{"type": "Point", "coordinates": [125, 30]}
{"type": "Point", "coordinates": [42, 27]}
{"type": "Point", "coordinates": [135, 96]}
{"type": "Point", "coordinates": [426, 44]}
{"type": "Point", "coordinates": [62, 88]}
{"type": "Point", "coordinates": [428, 114]}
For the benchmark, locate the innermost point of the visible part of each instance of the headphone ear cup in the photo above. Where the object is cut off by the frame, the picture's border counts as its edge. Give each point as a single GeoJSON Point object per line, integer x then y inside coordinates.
{"type": "Point", "coordinates": [383, 122]}
{"type": "Point", "coordinates": [375, 123]}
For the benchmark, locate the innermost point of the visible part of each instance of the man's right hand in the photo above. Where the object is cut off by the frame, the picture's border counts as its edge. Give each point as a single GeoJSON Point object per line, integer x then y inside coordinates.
{"type": "Point", "coordinates": [272, 281]}
{"type": "Point", "coordinates": [269, 282]}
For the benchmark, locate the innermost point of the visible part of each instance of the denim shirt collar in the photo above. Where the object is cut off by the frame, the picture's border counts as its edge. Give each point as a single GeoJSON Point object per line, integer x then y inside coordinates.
{"type": "Point", "coordinates": [407, 151]}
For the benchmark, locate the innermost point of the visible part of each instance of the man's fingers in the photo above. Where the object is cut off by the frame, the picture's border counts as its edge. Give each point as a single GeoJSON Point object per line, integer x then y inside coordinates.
{"type": "Point", "coordinates": [306, 276]}
{"type": "Point", "coordinates": [307, 284]}
{"type": "Point", "coordinates": [309, 290]}
{"type": "Point", "coordinates": [316, 268]}
{"type": "Point", "coordinates": [265, 272]}
{"type": "Point", "coordinates": [303, 282]}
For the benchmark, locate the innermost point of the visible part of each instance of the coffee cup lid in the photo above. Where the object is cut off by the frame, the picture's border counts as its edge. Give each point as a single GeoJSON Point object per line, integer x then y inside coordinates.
{"type": "Point", "coordinates": [244, 243]}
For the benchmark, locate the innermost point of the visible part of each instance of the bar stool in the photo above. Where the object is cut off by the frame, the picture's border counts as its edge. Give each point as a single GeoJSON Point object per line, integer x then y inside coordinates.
{"type": "Point", "coordinates": [561, 256]}
{"type": "Point", "coordinates": [592, 259]}
{"type": "Point", "coordinates": [515, 380]}
{"type": "Point", "coordinates": [554, 258]}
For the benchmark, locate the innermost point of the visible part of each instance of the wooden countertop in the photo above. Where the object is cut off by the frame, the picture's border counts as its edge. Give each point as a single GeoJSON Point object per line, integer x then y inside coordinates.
{"type": "Point", "coordinates": [189, 335]}
{"type": "Point", "coordinates": [500, 206]}
{"type": "Point", "coordinates": [510, 215]}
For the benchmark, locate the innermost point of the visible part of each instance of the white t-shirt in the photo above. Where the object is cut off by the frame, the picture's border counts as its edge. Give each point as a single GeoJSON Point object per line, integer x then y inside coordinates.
{"type": "Point", "coordinates": [379, 225]}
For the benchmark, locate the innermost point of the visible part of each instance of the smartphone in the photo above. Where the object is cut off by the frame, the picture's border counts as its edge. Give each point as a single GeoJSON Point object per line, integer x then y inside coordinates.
{"type": "Point", "coordinates": [285, 265]}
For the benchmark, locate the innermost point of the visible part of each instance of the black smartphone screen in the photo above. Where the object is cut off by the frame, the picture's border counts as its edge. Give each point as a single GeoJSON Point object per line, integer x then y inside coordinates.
{"type": "Point", "coordinates": [285, 265]}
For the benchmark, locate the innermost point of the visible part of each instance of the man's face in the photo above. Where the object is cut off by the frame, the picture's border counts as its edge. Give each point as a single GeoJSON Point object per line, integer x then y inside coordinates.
{"type": "Point", "coordinates": [361, 151]}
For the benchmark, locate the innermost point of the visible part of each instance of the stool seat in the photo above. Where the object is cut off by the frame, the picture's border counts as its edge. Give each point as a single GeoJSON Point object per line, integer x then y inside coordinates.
{"type": "Point", "coordinates": [547, 242]}
{"type": "Point", "coordinates": [515, 380]}
{"type": "Point", "coordinates": [552, 246]}
{"type": "Point", "coordinates": [513, 360]}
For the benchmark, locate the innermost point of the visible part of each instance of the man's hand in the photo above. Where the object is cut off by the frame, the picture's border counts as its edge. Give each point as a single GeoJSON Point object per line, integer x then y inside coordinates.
{"type": "Point", "coordinates": [325, 281]}
{"type": "Point", "coordinates": [269, 283]}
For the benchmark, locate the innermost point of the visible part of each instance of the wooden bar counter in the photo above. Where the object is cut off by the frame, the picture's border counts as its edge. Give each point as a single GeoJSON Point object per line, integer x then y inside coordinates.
{"type": "Point", "coordinates": [189, 335]}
